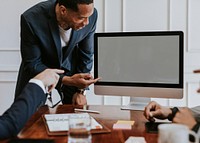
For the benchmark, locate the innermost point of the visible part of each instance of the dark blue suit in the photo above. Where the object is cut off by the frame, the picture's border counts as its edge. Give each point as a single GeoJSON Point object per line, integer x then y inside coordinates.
{"type": "Point", "coordinates": [41, 46]}
{"type": "Point", "coordinates": [12, 121]}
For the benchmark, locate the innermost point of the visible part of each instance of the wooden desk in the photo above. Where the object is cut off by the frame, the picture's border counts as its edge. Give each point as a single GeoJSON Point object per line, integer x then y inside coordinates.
{"type": "Point", "coordinates": [35, 128]}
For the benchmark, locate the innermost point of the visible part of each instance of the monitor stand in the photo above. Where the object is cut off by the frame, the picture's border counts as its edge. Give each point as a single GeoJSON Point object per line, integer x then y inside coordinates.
{"type": "Point", "coordinates": [137, 103]}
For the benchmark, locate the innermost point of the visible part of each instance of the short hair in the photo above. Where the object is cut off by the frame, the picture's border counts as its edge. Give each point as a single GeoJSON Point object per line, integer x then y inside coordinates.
{"type": "Point", "coordinates": [73, 4]}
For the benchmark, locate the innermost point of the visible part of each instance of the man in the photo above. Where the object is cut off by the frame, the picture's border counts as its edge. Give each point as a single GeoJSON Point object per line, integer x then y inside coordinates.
{"type": "Point", "coordinates": [32, 97]}
{"type": "Point", "coordinates": [58, 34]}
{"type": "Point", "coordinates": [183, 115]}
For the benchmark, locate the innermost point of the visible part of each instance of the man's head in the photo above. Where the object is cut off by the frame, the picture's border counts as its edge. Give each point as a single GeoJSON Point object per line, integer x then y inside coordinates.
{"type": "Point", "coordinates": [73, 4]}
{"type": "Point", "coordinates": [74, 13]}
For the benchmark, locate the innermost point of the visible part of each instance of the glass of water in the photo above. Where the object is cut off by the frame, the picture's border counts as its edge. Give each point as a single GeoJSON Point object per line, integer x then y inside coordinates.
{"type": "Point", "coordinates": [79, 128]}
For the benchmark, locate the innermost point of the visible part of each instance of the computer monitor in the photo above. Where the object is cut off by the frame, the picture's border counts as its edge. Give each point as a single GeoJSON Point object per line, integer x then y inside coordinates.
{"type": "Point", "coordinates": [139, 64]}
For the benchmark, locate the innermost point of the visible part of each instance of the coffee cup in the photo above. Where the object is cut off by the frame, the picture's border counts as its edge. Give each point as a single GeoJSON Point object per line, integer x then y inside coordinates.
{"type": "Point", "coordinates": [175, 133]}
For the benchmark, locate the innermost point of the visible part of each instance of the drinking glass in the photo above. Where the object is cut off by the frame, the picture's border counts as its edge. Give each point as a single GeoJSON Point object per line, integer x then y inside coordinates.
{"type": "Point", "coordinates": [79, 128]}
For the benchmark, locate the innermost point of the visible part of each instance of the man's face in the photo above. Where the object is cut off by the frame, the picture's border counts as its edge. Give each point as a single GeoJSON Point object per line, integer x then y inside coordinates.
{"type": "Point", "coordinates": [78, 20]}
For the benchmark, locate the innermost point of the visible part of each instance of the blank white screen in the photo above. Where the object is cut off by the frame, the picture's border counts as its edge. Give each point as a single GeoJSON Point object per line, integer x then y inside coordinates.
{"type": "Point", "coordinates": [140, 59]}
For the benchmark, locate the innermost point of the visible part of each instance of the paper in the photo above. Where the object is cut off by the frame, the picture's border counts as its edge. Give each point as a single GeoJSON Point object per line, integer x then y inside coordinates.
{"type": "Point", "coordinates": [59, 122]}
{"type": "Point", "coordinates": [135, 140]}
{"type": "Point", "coordinates": [122, 126]}
{"type": "Point", "coordinates": [125, 122]}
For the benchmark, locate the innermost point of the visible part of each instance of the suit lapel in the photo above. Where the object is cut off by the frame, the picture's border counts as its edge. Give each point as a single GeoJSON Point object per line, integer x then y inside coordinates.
{"type": "Point", "coordinates": [55, 32]}
{"type": "Point", "coordinates": [56, 37]}
{"type": "Point", "coordinates": [72, 44]}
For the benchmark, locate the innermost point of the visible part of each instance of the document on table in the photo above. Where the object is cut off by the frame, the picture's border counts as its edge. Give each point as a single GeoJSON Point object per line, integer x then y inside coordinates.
{"type": "Point", "coordinates": [59, 122]}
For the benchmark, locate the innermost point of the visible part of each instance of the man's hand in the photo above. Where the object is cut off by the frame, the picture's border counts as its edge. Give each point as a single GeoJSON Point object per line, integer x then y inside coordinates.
{"type": "Point", "coordinates": [81, 80]}
{"type": "Point", "coordinates": [155, 110]}
{"type": "Point", "coordinates": [79, 99]}
{"type": "Point", "coordinates": [49, 77]}
{"type": "Point", "coordinates": [197, 71]}
{"type": "Point", "coordinates": [184, 116]}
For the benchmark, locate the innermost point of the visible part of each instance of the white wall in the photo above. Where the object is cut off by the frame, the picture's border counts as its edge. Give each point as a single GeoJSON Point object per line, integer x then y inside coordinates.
{"type": "Point", "coordinates": [9, 47]}
{"type": "Point", "coordinates": [144, 15]}
{"type": "Point", "coordinates": [114, 15]}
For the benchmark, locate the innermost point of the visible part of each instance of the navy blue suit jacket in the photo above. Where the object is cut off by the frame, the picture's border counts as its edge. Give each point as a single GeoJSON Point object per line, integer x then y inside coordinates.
{"type": "Point", "coordinates": [41, 46]}
{"type": "Point", "coordinates": [12, 121]}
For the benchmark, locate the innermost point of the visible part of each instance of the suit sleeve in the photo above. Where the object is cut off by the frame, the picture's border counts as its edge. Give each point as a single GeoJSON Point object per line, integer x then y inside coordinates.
{"type": "Point", "coordinates": [13, 120]}
{"type": "Point", "coordinates": [30, 49]}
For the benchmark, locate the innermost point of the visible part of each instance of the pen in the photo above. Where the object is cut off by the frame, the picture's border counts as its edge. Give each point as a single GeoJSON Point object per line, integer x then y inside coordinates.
{"type": "Point", "coordinates": [85, 110]}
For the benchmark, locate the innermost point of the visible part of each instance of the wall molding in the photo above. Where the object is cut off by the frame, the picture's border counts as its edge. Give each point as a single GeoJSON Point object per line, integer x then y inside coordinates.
{"type": "Point", "coordinates": [10, 68]}
{"type": "Point", "coordinates": [9, 49]}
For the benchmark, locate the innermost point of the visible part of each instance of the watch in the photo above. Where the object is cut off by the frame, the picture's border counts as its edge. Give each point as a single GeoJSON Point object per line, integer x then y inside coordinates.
{"type": "Point", "coordinates": [174, 111]}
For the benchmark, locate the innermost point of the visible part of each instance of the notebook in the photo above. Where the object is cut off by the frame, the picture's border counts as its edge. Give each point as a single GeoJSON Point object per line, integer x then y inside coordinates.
{"type": "Point", "coordinates": [57, 124]}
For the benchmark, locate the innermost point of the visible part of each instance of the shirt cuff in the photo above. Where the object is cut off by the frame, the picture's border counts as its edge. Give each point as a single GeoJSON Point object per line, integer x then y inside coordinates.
{"type": "Point", "coordinates": [39, 83]}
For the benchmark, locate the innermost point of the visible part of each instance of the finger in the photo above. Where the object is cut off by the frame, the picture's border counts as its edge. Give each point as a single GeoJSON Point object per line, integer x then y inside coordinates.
{"type": "Point", "coordinates": [198, 90]}
{"type": "Point", "coordinates": [97, 79]}
{"type": "Point", "coordinates": [197, 71]}
{"type": "Point", "coordinates": [151, 119]}
{"type": "Point", "coordinates": [89, 82]}
{"type": "Point", "coordinates": [94, 80]}
{"type": "Point", "coordinates": [147, 113]}
{"type": "Point", "coordinates": [50, 88]}
{"type": "Point", "coordinates": [153, 114]}
{"type": "Point", "coordinates": [86, 75]}
{"type": "Point", "coordinates": [53, 85]}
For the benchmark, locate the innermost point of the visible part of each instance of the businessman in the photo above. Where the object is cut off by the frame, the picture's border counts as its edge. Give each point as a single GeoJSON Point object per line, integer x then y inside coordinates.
{"type": "Point", "coordinates": [32, 97]}
{"type": "Point", "coordinates": [58, 34]}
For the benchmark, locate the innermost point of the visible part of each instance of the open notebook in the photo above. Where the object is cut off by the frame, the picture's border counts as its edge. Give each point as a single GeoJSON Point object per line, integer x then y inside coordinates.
{"type": "Point", "coordinates": [57, 124]}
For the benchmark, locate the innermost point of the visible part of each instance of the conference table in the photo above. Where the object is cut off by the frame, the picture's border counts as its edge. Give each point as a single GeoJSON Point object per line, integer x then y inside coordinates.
{"type": "Point", "coordinates": [109, 115]}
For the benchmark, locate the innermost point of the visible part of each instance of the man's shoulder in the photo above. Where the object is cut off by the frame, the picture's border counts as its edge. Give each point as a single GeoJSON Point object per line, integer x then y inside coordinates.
{"type": "Point", "coordinates": [39, 8]}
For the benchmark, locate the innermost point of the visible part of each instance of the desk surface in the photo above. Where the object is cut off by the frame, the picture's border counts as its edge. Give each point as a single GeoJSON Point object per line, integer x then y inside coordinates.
{"type": "Point", "coordinates": [35, 127]}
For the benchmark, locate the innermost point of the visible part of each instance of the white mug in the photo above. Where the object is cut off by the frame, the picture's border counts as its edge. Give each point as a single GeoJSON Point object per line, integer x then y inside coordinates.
{"type": "Point", "coordinates": [175, 133]}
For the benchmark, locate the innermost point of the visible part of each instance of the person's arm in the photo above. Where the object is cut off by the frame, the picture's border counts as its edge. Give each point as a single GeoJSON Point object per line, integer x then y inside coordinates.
{"type": "Point", "coordinates": [184, 116]}
{"type": "Point", "coordinates": [30, 49]}
{"type": "Point", "coordinates": [20, 111]}
{"type": "Point", "coordinates": [31, 98]}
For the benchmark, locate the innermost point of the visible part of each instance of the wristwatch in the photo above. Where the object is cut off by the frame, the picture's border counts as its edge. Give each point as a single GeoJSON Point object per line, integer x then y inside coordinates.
{"type": "Point", "coordinates": [174, 111]}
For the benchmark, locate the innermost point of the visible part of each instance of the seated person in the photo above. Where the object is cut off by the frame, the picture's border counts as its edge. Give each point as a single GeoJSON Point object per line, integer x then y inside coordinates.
{"type": "Point", "coordinates": [32, 97]}
{"type": "Point", "coordinates": [183, 115]}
